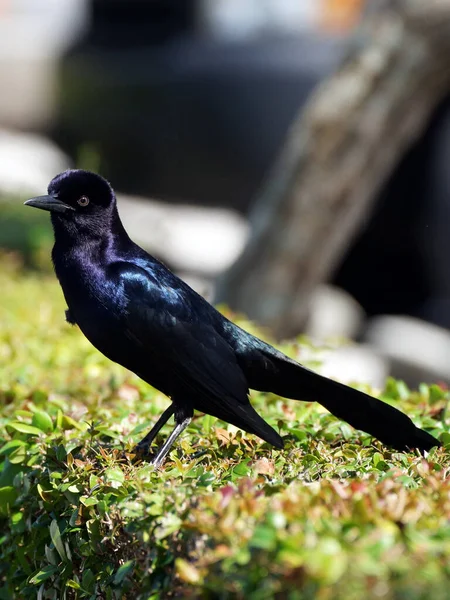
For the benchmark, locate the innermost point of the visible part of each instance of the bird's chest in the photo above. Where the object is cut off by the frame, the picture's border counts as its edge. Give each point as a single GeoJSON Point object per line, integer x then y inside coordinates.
{"type": "Point", "coordinates": [94, 303]}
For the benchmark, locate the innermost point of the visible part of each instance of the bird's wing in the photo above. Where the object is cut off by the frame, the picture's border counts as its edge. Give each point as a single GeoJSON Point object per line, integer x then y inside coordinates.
{"type": "Point", "coordinates": [174, 328]}
{"type": "Point", "coordinates": [182, 342]}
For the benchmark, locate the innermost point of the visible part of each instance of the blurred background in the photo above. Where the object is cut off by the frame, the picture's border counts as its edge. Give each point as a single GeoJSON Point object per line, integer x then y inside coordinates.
{"type": "Point", "coordinates": [186, 106]}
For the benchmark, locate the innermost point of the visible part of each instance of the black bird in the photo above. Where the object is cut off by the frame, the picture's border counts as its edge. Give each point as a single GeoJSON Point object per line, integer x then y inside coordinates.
{"type": "Point", "coordinates": [142, 316]}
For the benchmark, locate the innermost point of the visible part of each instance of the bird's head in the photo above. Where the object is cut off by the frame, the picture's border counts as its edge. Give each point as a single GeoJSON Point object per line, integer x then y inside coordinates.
{"type": "Point", "coordinates": [78, 199]}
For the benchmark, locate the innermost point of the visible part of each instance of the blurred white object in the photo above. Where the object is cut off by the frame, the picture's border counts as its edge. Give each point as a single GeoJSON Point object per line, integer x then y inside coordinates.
{"type": "Point", "coordinates": [27, 163]}
{"type": "Point", "coordinates": [333, 313]}
{"type": "Point", "coordinates": [418, 351]}
{"type": "Point", "coordinates": [203, 285]}
{"type": "Point", "coordinates": [355, 364]}
{"type": "Point", "coordinates": [241, 19]}
{"type": "Point", "coordinates": [33, 35]}
{"type": "Point", "coordinates": [35, 29]}
{"type": "Point", "coordinates": [190, 238]}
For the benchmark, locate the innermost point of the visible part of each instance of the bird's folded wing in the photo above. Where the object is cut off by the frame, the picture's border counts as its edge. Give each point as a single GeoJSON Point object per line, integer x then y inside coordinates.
{"type": "Point", "coordinates": [199, 360]}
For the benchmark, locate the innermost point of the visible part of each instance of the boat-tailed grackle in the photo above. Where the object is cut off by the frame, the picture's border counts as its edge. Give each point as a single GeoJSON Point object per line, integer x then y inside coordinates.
{"type": "Point", "coordinates": [142, 316]}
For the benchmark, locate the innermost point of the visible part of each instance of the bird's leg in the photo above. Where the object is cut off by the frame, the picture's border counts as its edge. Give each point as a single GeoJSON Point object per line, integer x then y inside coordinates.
{"type": "Point", "coordinates": [143, 446]}
{"type": "Point", "coordinates": [163, 451]}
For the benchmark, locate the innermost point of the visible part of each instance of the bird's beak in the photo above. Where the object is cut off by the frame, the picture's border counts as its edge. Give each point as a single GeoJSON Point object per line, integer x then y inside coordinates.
{"type": "Point", "coordinates": [49, 203]}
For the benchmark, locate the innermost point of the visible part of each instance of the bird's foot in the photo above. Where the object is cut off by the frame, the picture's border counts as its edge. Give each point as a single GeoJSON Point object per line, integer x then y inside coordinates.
{"type": "Point", "coordinates": [157, 461]}
{"type": "Point", "coordinates": [142, 452]}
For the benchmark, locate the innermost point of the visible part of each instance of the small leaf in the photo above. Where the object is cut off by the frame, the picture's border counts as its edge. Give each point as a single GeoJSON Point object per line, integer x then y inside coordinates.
{"type": "Point", "coordinates": [44, 494]}
{"type": "Point", "coordinates": [88, 580]}
{"type": "Point", "coordinates": [208, 422]}
{"type": "Point", "coordinates": [75, 489]}
{"type": "Point", "coordinates": [42, 421]}
{"type": "Point", "coordinates": [13, 444]}
{"type": "Point", "coordinates": [115, 476]}
{"type": "Point", "coordinates": [123, 571]}
{"type": "Point", "coordinates": [241, 469]}
{"type": "Point", "coordinates": [8, 496]}
{"type": "Point", "coordinates": [74, 517]}
{"type": "Point", "coordinates": [170, 523]}
{"type": "Point", "coordinates": [50, 555]}
{"type": "Point", "coordinates": [437, 393]}
{"type": "Point", "coordinates": [43, 574]}
{"type": "Point", "coordinates": [18, 455]}
{"type": "Point", "coordinates": [88, 500]}
{"type": "Point", "coordinates": [187, 572]}
{"type": "Point", "coordinates": [24, 428]}
{"type": "Point", "coordinates": [377, 457]}
{"type": "Point", "coordinates": [445, 439]}
{"type": "Point", "coordinates": [93, 481]}
{"type": "Point", "coordinates": [69, 423]}
{"type": "Point", "coordinates": [300, 434]}
{"type": "Point", "coordinates": [206, 479]}
{"type": "Point", "coordinates": [382, 465]}
{"type": "Point", "coordinates": [55, 535]}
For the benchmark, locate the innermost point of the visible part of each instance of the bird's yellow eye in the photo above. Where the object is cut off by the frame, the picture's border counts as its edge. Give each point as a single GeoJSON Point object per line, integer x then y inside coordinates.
{"type": "Point", "coordinates": [83, 201]}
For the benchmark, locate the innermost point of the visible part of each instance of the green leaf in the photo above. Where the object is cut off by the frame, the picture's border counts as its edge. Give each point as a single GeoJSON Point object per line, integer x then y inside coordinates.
{"type": "Point", "coordinates": [55, 535]}
{"type": "Point", "coordinates": [51, 555]}
{"type": "Point", "coordinates": [115, 476]}
{"type": "Point", "coordinates": [9, 472]}
{"type": "Point", "coordinates": [69, 423]}
{"type": "Point", "coordinates": [376, 458]}
{"type": "Point", "coordinates": [88, 500]}
{"type": "Point", "coordinates": [445, 439]}
{"type": "Point", "coordinates": [206, 479]}
{"type": "Point", "coordinates": [18, 455]}
{"type": "Point", "coordinates": [241, 469]}
{"type": "Point", "coordinates": [437, 393]}
{"type": "Point", "coordinates": [382, 465]}
{"type": "Point", "coordinates": [12, 445]}
{"type": "Point", "coordinates": [24, 428]}
{"type": "Point", "coordinates": [300, 434]}
{"type": "Point", "coordinates": [123, 571]}
{"type": "Point", "coordinates": [93, 481]}
{"type": "Point", "coordinates": [43, 574]}
{"type": "Point", "coordinates": [75, 489]}
{"type": "Point", "coordinates": [88, 580]}
{"type": "Point", "coordinates": [42, 421]}
{"type": "Point", "coordinates": [208, 423]}
{"type": "Point", "coordinates": [22, 559]}
{"type": "Point", "coordinates": [187, 572]}
{"type": "Point", "coordinates": [169, 523]}
{"type": "Point", "coordinates": [8, 495]}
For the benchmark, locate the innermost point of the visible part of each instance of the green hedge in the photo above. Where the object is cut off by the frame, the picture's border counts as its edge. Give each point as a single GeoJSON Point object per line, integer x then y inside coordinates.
{"type": "Point", "coordinates": [334, 515]}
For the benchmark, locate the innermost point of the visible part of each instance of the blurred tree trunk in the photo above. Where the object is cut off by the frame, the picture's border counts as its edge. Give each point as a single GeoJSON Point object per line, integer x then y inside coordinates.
{"type": "Point", "coordinates": [339, 153]}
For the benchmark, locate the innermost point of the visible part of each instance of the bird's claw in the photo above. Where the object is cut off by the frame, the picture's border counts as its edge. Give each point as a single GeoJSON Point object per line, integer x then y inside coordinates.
{"type": "Point", "coordinates": [142, 453]}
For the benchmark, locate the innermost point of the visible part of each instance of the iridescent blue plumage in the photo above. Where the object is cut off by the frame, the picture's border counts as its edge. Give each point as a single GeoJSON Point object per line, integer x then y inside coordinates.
{"type": "Point", "coordinates": [141, 315]}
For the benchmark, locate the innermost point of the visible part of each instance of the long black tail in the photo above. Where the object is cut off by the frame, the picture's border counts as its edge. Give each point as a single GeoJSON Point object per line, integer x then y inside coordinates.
{"type": "Point", "coordinates": [279, 374]}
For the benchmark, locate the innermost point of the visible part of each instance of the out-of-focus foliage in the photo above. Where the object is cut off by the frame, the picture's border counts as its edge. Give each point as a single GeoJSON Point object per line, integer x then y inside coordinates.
{"type": "Point", "coordinates": [334, 515]}
{"type": "Point", "coordinates": [27, 232]}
